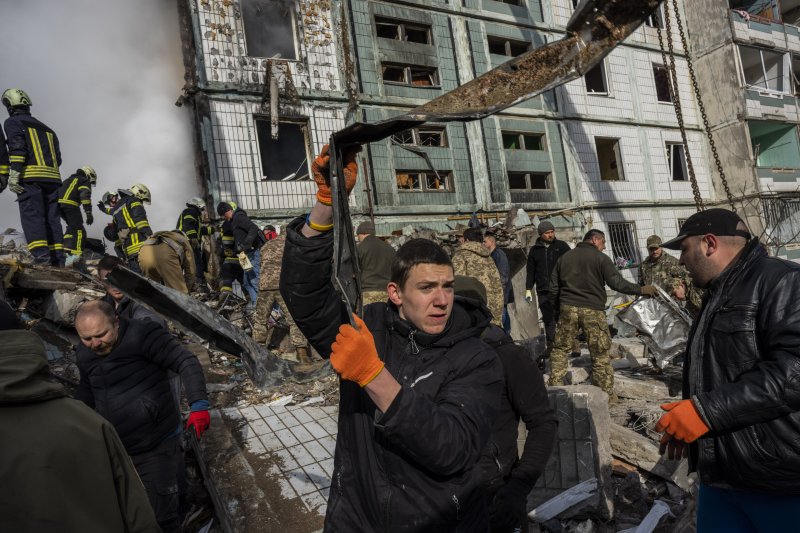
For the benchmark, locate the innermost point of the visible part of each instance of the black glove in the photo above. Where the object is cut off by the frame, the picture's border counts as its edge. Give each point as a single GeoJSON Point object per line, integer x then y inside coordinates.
{"type": "Point", "coordinates": [101, 206]}
{"type": "Point", "coordinates": [509, 505]}
{"type": "Point", "coordinates": [89, 218]}
{"type": "Point", "coordinates": [3, 182]}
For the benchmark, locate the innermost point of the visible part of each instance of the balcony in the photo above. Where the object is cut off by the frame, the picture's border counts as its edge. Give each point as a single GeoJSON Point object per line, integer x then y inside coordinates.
{"type": "Point", "coordinates": [769, 23]}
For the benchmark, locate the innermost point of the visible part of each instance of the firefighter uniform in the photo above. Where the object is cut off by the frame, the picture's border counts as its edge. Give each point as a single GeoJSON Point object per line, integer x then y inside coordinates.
{"type": "Point", "coordinates": [167, 258]}
{"type": "Point", "coordinates": [3, 162]}
{"type": "Point", "coordinates": [191, 224]}
{"type": "Point", "coordinates": [231, 269]}
{"type": "Point", "coordinates": [75, 192]}
{"type": "Point", "coordinates": [130, 220]}
{"type": "Point", "coordinates": [34, 155]}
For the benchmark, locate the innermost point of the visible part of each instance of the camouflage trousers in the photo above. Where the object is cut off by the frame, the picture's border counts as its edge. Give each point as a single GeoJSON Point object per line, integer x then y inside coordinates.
{"type": "Point", "coordinates": [571, 320]}
{"type": "Point", "coordinates": [370, 297]}
{"type": "Point", "coordinates": [264, 303]}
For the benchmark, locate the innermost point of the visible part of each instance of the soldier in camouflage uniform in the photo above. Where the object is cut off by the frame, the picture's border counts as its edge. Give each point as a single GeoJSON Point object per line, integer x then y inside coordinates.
{"type": "Point", "coordinates": [665, 271]}
{"type": "Point", "coordinates": [577, 290]}
{"type": "Point", "coordinates": [474, 260]}
{"type": "Point", "coordinates": [268, 295]}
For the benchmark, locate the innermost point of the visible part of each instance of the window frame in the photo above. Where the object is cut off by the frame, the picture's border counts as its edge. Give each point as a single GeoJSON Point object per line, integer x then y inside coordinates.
{"type": "Point", "coordinates": [628, 229]}
{"type": "Point", "coordinates": [422, 179]}
{"type": "Point", "coordinates": [528, 181]}
{"type": "Point", "coordinates": [617, 149]}
{"type": "Point", "coordinates": [416, 136]}
{"type": "Point", "coordinates": [604, 77]}
{"type": "Point", "coordinates": [521, 140]}
{"type": "Point", "coordinates": [665, 69]}
{"type": "Point", "coordinates": [670, 146]}
{"type": "Point", "coordinates": [507, 45]}
{"type": "Point", "coordinates": [303, 125]}
{"type": "Point", "coordinates": [407, 75]}
{"type": "Point", "coordinates": [402, 29]}
{"type": "Point", "coordinates": [786, 77]}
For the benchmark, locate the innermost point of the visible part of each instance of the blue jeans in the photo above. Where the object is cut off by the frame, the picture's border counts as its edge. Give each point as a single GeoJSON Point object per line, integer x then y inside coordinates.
{"type": "Point", "coordinates": [744, 511]}
{"type": "Point", "coordinates": [250, 284]}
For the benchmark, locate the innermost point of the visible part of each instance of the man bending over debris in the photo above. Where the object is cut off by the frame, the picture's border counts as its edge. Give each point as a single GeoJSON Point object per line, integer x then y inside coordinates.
{"type": "Point", "coordinates": [417, 400]}
{"type": "Point", "coordinates": [741, 379]}
{"type": "Point", "coordinates": [123, 375]}
{"type": "Point", "coordinates": [63, 466]}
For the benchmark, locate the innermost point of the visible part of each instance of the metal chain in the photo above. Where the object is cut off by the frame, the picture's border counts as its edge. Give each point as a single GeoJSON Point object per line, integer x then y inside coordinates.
{"type": "Point", "coordinates": [701, 107]}
{"type": "Point", "coordinates": [676, 102]}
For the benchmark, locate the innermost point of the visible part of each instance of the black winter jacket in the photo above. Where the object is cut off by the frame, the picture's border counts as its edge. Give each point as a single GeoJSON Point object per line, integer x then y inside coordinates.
{"type": "Point", "coordinates": [541, 261]}
{"type": "Point", "coordinates": [414, 467]}
{"type": "Point", "coordinates": [524, 397]}
{"type": "Point", "coordinates": [246, 235]}
{"type": "Point", "coordinates": [743, 373]}
{"type": "Point", "coordinates": [129, 387]}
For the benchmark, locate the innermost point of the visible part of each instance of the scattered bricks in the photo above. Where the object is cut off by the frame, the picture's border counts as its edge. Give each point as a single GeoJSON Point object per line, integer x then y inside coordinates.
{"type": "Point", "coordinates": [581, 452]}
{"type": "Point", "coordinates": [638, 450]}
{"type": "Point", "coordinates": [642, 388]}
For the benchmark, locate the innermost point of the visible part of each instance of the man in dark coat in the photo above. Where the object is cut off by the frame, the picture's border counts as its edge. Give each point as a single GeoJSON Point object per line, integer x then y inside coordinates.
{"type": "Point", "coordinates": [416, 400]}
{"type": "Point", "coordinates": [63, 467]}
{"type": "Point", "coordinates": [123, 368]}
{"type": "Point", "coordinates": [542, 259]}
{"type": "Point", "coordinates": [247, 239]}
{"type": "Point", "coordinates": [375, 259]}
{"type": "Point", "coordinates": [739, 421]}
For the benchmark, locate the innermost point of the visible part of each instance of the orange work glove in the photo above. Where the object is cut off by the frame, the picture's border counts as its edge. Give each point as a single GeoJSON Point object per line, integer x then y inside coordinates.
{"type": "Point", "coordinates": [320, 170]}
{"type": "Point", "coordinates": [354, 356]}
{"type": "Point", "coordinates": [682, 421]}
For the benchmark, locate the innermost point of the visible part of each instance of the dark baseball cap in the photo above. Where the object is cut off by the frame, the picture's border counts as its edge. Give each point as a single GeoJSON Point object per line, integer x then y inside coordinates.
{"type": "Point", "coordinates": [719, 222]}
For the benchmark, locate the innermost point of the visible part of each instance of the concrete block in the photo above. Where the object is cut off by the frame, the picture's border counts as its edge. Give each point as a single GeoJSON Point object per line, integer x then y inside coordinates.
{"type": "Point", "coordinates": [582, 451]}
{"type": "Point", "coordinates": [621, 347]}
{"type": "Point", "coordinates": [576, 376]}
{"type": "Point", "coordinates": [650, 389]}
{"type": "Point", "coordinates": [638, 450]}
{"type": "Point", "coordinates": [60, 305]}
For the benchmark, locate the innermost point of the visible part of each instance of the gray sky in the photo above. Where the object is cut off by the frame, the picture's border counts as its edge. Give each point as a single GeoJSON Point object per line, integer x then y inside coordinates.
{"type": "Point", "coordinates": [104, 75]}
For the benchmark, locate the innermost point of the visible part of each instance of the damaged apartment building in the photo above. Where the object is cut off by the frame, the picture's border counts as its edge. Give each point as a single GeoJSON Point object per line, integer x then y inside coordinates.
{"type": "Point", "coordinates": [271, 80]}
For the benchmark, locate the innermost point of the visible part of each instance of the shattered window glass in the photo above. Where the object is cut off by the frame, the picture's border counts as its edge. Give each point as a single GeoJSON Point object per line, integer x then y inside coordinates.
{"type": "Point", "coordinates": [432, 137]}
{"type": "Point", "coordinates": [436, 183]}
{"type": "Point", "coordinates": [424, 181]}
{"type": "Point", "coordinates": [423, 77]}
{"type": "Point", "coordinates": [387, 29]}
{"type": "Point", "coordinates": [398, 30]}
{"type": "Point", "coordinates": [407, 181]}
{"type": "Point", "coordinates": [404, 137]}
{"type": "Point", "coordinates": [269, 28]}
{"type": "Point", "coordinates": [393, 74]}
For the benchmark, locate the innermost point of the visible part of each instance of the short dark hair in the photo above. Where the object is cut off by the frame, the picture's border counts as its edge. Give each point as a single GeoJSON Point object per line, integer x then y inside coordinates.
{"type": "Point", "coordinates": [95, 307]}
{"type": "Point", "coordinates": [473, 234]}
{"type": "Point", "coordinates": [413, 253]}
{"type": "Point", "coordinates": [108, 262]}
{"type": "Point", "coordinates": [591, 234]}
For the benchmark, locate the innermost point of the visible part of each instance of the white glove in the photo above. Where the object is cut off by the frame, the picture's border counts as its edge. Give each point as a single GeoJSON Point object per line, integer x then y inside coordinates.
{"type": "Point", "coordinates": [13, 182]}
{"type": "Point", "coordinates": [528, 296]}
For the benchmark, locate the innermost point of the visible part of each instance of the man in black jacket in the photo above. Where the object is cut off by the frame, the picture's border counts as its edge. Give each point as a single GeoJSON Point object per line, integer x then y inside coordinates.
{"type": "Point", "coordinates": [123, 376]}
{"type": "Point", "coordinates": [509, 478]}
{"type": "Point", "coordinates": [247, 239]}
{"type": "Point", "coordinates": [741, 414]}
{"type": "Point", "coordinates": [542, 258]}
{"type": "Point", "coordinates": [416, 400]}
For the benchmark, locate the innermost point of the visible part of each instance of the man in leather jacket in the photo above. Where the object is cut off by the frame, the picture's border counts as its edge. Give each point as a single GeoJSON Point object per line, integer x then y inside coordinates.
{"type": "Point", "coordinates": [739, 423]}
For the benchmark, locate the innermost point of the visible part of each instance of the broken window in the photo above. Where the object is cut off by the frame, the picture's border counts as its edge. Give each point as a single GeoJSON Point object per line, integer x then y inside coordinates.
{"type": "Point", "coordinates": [507, 47]}
{"type": "Point", "coordinates": [676, 160]}
{"type": "Point", "coordinates": [796, 75]}
{"type": "Point", "coordinates": [775, 145]}
{"type": "Point", "coordinates": [412, 75]}
{"type": "Point", "coordinates": [269, 28]}
{"type": "Point", "coordinates": [609, 157]}
{"type": "Point", "coordinates": [402, 31]}
{"type": "Point", "coordinates": [422, 136]}
{"type": "Point", "coordinates": [527, 181]}
{"type": "Point", "coordinates": [596, 80]}
{"type": "Point", "coordinates": [656, 20]}
{"type": "Point", "coordinates": [424, 181]}
{"type": "Point", "coordinates": [513, 140]}
{"type": "Point", "coordinates": [766, 9]}
{"type": "Point", "coordinates": [765, 70]}
{"type": "Point", "coordinates": [663, 89]}
{"type": "Point", "coordinates": [622, 236]}
{"type": "Point", "coordinates": [284, 158]}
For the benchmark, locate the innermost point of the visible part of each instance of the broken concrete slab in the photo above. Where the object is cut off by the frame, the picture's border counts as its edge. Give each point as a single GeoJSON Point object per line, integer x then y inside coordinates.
{"type": "Point", "coordinates": [30, 276]}
{"type": "Point", "coordinates": [582, 451]}
{"type": "Point", "coordinates": [644, 388]}
{"type": "Point", "coordinates": [61, 304]}
{"type": "Point", "coordinates": [272, 465]}
{"type": "Point", "coordinates": [576, 376]}
{"type": "Point", "coordinates": [642, 452]}
{"type": "Point", "coordinates": [621, 347]}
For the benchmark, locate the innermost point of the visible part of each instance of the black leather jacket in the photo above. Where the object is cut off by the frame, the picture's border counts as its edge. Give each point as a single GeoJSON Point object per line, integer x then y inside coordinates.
{"type": "Point", "coordinates": [743, 373]}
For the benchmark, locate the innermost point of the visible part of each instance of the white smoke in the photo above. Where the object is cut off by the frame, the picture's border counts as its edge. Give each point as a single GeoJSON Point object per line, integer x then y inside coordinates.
{"type": "Point", "coordinates": [104, 75]}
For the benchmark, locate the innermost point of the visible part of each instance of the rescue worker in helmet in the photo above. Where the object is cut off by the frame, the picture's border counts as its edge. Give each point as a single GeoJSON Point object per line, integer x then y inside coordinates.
{"type": "Point", "coordinates": [76, 192]}
{"type": "Point", "coordinates": [33, 175]}
{"type": "Point", "coordinates": [130, 220]}
{"type": "Point", "coordinates": [191, 223]}
{"type": "Point", "coordinates": [231, 269]}
{"type": "Point", "coordinates": [106, 205]}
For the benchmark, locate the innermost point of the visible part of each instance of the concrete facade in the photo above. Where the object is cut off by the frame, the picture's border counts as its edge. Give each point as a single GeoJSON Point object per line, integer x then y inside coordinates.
{"type": "Point", "coordinates": [747, 61]}
{"type": "Point", "coordinates": [604, 153]}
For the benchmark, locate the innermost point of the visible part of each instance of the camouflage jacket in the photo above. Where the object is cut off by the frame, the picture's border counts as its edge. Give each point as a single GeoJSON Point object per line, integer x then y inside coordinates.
{"type": "Point", "coordinates": [667, 273]}
{"type": "Point", "coordinates": [271, 258]}
{"type": "Point", "coordinates": [474, 260]}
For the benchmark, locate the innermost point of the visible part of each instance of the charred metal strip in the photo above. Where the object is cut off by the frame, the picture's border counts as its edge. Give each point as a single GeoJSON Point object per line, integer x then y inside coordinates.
{"type": "Point", "coordinates": [596, 28]}
{"type": "Point", "coordinates": [264, 368]}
